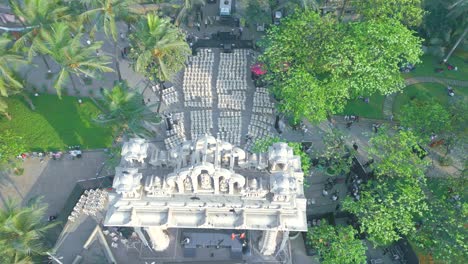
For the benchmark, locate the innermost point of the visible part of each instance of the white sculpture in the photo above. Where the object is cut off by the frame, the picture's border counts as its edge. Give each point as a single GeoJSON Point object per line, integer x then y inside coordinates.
{"type": "Point", "coordinates": [127, 182]}
{"type": "Point", "coordinates": [135, 150]}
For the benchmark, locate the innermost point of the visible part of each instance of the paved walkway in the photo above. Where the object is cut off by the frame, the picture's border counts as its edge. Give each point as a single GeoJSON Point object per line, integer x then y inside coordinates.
{"type": "Point", "coordinates": [390, 99]}
{"type": "Point", "coordinates": [52, 179]}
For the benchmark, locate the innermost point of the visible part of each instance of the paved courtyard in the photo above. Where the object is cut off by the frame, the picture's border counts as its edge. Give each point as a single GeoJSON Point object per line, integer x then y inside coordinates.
{"type": "Point", "coordinates": [52, 179]}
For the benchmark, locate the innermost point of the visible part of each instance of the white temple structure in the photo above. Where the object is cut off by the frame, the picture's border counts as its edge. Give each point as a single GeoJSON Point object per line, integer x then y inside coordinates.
{"type": "Point", "coordinates": [208, 184]}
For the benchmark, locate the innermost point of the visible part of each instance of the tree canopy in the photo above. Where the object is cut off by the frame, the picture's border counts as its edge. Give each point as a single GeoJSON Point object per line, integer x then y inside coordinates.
{"type": "Point", "coordinates": [127, 112]}
{"type": "Point", "coordinates": [71, 55]}
{"type": "Point", "coordinates": [10, 82]}
{"type": "Point", "coordinates": [390, 202]}
{"type": "Point", "coordinates": [104, 14]}
{"type": "Point", "coordinates": [315, 64]}
{"type": "Point", "coordinates": [158, 48]}
{"type": "Point", "coordinates": [337, 244]}
{"type": "Point", "coordinates": [441, 231]}
{"type": "Point", "coordinates": [21, 231]}
{"type": "Point", "coordinates": [409, 12]}
{"type": "Point", "coordinates": [425, 117]}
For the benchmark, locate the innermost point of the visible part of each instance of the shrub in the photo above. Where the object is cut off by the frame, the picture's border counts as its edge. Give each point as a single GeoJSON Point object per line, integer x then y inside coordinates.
{"type": "Point", "coordinates": [446, 161]}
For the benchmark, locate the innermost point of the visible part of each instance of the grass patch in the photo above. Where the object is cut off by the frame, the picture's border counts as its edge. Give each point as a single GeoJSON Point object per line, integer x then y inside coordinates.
{"type": "Point", "coordinates": [56, 124]}
{"type": "Point", "coordinates": [425, 92]}
{"type": "Point", "coordinates": [430, 63]}
{"type": "Point", "coordinates": [374, 109]}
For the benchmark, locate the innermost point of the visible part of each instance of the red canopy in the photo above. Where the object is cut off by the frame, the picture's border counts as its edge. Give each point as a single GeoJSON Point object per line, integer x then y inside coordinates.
{"type": "Point", "coordinates": [258, 69]}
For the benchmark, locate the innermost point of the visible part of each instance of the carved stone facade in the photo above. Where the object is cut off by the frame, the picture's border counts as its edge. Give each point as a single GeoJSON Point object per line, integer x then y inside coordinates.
{"type": "Point", "coordinates": [208, 184]}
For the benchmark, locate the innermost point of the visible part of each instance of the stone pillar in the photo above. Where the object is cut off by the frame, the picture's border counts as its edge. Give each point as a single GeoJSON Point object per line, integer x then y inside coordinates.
{"type": "Point", "coordinates": [267, 243]}
{"type": "Point", "coordinates": [159, 238]}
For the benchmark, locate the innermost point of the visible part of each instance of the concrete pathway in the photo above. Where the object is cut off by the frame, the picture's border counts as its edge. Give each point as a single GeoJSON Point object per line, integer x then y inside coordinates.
{"type": "Point", "coordinates": [390, 99]}
{"type": "Point", "coordinates": [52, 179]}
{"type": "Point", "coordinates": [430, 79]}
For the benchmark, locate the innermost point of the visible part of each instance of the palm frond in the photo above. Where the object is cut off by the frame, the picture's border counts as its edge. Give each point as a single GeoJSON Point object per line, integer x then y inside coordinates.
{"type": "Point", "coordinates": [61, 80]}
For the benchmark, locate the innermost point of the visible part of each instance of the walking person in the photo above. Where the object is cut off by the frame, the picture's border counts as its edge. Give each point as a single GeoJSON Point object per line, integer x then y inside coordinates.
{"type": "Point", "coordinates": [198, 26]}
{"type": "Point", "coordinates": [206, 23]}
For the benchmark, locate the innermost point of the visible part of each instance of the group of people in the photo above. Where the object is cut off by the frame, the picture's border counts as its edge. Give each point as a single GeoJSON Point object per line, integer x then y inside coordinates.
{"type": "Point", "coordinates": [350, 119]}
{"type": "Point", "coordinates": [329, 184]}
{"type": "Point", "coordinates": [354, 186]}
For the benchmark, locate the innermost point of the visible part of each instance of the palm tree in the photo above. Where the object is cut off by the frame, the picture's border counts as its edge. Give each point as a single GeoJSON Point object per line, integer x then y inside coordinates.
{"type": "Point", "coordinates": [187, 8]}
{"type": "Point", "coordinates": [71, 55]}
{"type": "Point", "coordinates": [22, 230]}
{"type": "Point", "coordinates": [158, 49]}
{"type": "Point", "coordinates": [127, 112]}
{"type": "Point", "coordinates": [104, 14]}
{"type": "Point", "coordinates": [10, 82]}
{"type": "Point", "coordinates": [37, 16]}
{"type": "Point", "coordinates": [458, 11]}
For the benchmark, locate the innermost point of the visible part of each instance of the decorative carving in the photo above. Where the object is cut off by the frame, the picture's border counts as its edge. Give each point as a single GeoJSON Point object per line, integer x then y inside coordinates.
{"type": "Point", "coordinates": [188, 184]}
{"type": "Point", "coordinates": [127, 182]}
{"type": "Point", "coordinates": [224, 185]}
{"type": "Point", "coordinates": [136, 149]}
{"type": "Point", "coordinates": [205, 181]}
{"type": "Point", "coordinates": [227, 199]}
{"type": "Point", "coordinates": [253, 184]}
{"type": "Point", "coordinates": [157, 182]}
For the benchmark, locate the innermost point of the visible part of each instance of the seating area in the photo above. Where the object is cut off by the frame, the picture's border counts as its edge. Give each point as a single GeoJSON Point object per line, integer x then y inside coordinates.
{"type": "Point", "coordinates": [219, 100]}
{"type": "Point", "coordinates": [170, 96]}
{"type": "Point", "coordinates": [201, 123]}
{"type": "Point", "coordinates": [231, 83]}
{"type": "Point", "coordinates": [262, 103]}
{"type": "Point", "coordinates": [197, 80]}
{"type": "Point", "coordinates": [262, 121]}
{"type": "Point", "coordinates": [91, 201]}
{"type": "Point", "coordinates": [176, 131]}
{"type": "Point", "coordinates": [230, 127]}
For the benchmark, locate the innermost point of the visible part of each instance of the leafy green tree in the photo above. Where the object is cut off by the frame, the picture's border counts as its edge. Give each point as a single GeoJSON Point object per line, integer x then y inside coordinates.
{"type": "Point", "coordinates": [21, 232]}
{"type": "Point", "coordinates": [409, 12]}
{"type": "Point", "coordinates": [390, 202]}
{"type": "Point", "coordinates": [10, 82]}
{"type": "Point", "coordinates": [337, 244]}
{"type": "Point", "coordinates": [457, 132]}
{"type": "Point", "coordinates": [158, 48]}
{"type": "Point", "coordinates": [315, 64]}
{"type": "Point", "coordinates": [425, 118]}
{"type": "Point", "coordinates": [397, 156]}
{"type": "Point", "coordinates": [127, 112]}
{"type": "Point", "coordinates": [337, 157]}
{"type": "Point", "coordinates": [442, 232]}
{"type": "Point", "coordinates": [71, 55]}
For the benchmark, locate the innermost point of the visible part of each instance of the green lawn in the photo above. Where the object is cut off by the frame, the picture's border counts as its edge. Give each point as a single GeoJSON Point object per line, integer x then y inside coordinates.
{"type": "Point", "coordinates": [430, 63]}
{"type": "Point", "coordinates": [374, 109]}
{"type": "Point", "coordinates": [425, 92]}
{"type": "Point", "coordinates": [56, 123]}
